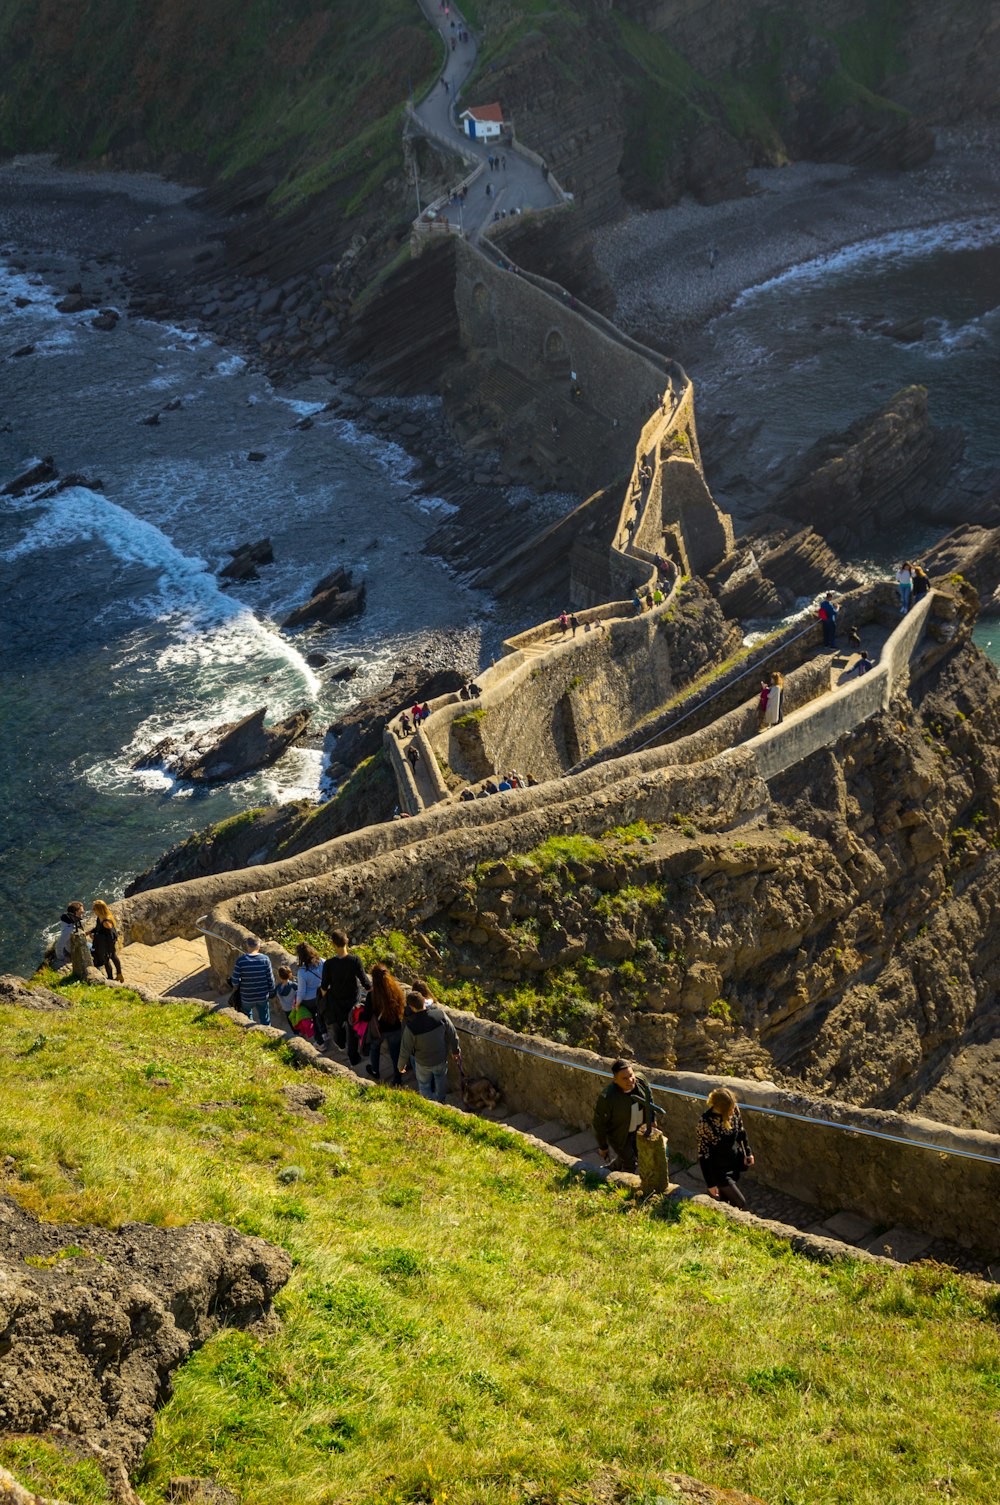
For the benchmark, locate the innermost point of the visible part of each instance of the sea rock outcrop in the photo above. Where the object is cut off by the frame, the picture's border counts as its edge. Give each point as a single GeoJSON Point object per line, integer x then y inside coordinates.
{"type": "Point", "coordinates": [35, 475]}
{"type": "Point", "coordinates": [228, 751]}
{"type": "Point", "coordinates": [333, 599]}
{"type": "Point", "coordinates": [974, 553]}
{"type": "Point", "coordinates": [246, 558]}
{"type": "Point", "coordinates": [886, 469]}
{"type": "Point", "coordinates": [94, 1322]}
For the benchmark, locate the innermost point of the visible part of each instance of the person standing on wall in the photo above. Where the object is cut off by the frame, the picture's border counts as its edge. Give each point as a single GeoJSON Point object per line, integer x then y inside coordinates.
{"type": "Point", "coordinates": [904, 583]}
{"type": "Point", "coordinates": [723, 1147]}
{"type": "Point", "coordinates": [619, 1114]}
{"type": "Point", "coordinates": [774, 710]}
{"type": "Point", "coordinates": [341, 979]}
{"type": "Point", "coordinates": [828, 617]}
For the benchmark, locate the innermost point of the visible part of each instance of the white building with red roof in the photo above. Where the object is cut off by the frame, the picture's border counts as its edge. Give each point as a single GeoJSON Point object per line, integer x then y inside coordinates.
{"type": "Point", "coordinates": [483, 122]}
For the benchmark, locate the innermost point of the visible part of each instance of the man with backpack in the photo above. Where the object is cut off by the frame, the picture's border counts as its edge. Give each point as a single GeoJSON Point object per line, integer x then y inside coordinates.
{"type": "Point", "coordinates": [428, 1036]}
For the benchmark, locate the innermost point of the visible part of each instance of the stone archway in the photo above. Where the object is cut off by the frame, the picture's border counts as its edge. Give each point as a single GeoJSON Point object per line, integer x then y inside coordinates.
{"type": "Point", "coordinates": [555, 353]}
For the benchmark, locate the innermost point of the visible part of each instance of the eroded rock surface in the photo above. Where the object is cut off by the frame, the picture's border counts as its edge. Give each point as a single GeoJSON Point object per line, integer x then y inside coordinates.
{"type": "Point", "coordinates": [15, 993]}
{"type": "Point", "coordinates": [226, 752]}
{"type": "Point", "coordinates": [93, 1323]}
{"type": "Point", "coordinates": [333, 599]}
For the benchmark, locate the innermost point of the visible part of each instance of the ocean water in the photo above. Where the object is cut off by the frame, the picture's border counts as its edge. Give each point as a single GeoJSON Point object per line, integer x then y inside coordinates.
{"type": "Point", "coordinates": [796, 357]}
{"type": "Point", "coordinates": [115, 629]}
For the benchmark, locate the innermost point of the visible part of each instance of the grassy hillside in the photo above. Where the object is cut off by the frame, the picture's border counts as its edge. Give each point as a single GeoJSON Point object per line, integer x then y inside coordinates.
{"type": "Point", "coordinates": [463, 1323]}
{"type": "Point", "coordinates": [304, 98]}
{"type": "Point", "coordinates": [308, 96]}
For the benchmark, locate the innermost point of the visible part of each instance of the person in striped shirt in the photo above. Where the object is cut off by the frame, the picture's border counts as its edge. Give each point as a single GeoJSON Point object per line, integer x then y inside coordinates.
{"type": "Point", "coordinates": [253, 976]}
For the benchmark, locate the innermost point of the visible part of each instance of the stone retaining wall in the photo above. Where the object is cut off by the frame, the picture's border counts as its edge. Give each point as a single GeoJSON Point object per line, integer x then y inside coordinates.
{"type": "Point", "coordinates": [942, 1194]}
{"type": "Point", "coordinates": [551, 710]}
{"type": "Point", "coordinates": [846, 707]}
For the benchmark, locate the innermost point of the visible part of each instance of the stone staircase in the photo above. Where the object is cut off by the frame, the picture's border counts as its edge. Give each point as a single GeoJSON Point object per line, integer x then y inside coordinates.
{"type": "Point", "coordinates": [179, 969]}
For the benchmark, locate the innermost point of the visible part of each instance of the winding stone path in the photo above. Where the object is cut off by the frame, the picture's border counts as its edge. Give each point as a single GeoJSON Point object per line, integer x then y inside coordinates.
{"type": "Point", "coordinates": [521, 184]}
{"type": "Point", "coordinates": [179, 969]}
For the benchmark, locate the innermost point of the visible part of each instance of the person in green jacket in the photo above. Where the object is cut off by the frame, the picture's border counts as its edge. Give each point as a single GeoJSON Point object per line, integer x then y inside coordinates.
{"type": "Point", "coordinates": [619, 1113]}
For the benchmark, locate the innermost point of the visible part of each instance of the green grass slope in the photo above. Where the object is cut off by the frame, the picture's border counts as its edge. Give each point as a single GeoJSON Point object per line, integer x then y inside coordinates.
{"type": "Point", "coordinates": [310, 97]}
{"type": "Point", "coordinates": [464, 1323]}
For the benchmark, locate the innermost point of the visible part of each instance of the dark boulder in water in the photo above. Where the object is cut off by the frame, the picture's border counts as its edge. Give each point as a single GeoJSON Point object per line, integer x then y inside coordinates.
{"type": "Point", "coordinates": [228, 751]}
{"type": "Point", "coordinates": [74, 303]}
{"type": "Point", "coordinates": [35, 475]}
{"type": "Point", "coordinates": [107, 319]}
{"type": "Point", "coordinates": [333, 599]}
{"type": "Point", "coordinates": [245, 560]}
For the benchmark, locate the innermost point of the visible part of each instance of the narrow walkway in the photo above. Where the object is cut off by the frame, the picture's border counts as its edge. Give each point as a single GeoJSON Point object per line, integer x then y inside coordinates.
{"type": "Point", "coordinates": [179, 969]}
{"type": "Point", "coordinates": [520, 183]}
{"type": "Point", "coordinates": [173, 969]}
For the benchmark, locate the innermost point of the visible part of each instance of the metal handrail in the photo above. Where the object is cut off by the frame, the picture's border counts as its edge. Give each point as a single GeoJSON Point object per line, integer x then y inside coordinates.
{"type": "Point", "coordinates": [802, 1118]}
{"type": "Point", "coordinates": [751, 669]}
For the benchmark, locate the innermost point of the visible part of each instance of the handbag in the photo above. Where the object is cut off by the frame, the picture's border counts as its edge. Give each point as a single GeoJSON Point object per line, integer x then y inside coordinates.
{"type": "Point", "coordinates": [235, 999]}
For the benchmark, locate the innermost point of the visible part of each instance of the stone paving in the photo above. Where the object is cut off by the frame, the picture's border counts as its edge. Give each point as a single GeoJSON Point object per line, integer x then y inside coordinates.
{"type": "Point", "coordinates": [520, 184]}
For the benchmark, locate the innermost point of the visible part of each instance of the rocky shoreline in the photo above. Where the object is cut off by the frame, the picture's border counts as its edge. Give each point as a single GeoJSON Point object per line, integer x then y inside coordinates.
{"type": "Point", "coordinates": [659, 265]}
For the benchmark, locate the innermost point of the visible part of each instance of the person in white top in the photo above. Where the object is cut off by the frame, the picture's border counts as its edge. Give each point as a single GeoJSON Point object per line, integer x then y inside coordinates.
{"type": "Point", "coordinates": [904, 581]}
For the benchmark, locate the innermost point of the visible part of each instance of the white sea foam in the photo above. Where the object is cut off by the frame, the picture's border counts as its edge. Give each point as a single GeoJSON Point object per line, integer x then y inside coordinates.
{"type": "Point", "coordinates": [435, 506]}
{"type": "Point", "coordinates": [897, 246]}
{"type": "Point", "coordinates": [209, 628]}
{"type": "Point", "coordinates": [955, 339]}
{"type": "Point", "coordinates": [231, 366]}
{"type": "Point", "coordinates": [299, 405]}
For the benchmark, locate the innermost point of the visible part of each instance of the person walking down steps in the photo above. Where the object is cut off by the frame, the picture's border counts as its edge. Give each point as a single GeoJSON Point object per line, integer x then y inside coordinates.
{"type": "Point", "coordinates": [723, 1147]}
{"type": "Point", "coordinates": [253, 976]}
{"type": "Point", "coordinates": [428, 1036]}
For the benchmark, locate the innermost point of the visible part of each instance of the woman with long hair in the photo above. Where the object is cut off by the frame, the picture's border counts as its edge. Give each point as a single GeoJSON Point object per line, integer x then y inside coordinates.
{"type": "Point", "coordinates": [723, 1148]}
{"type": "Point", "coordinates": [308, 978]}
{"type": "Point", "coordinates": [384, 1012]}
{"type": "Point", "coordinates": [104, 941]}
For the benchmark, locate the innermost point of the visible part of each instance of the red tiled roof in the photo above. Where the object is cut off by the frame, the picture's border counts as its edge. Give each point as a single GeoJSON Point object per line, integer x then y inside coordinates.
{"type": "Point", "coordinates": [485, 112]}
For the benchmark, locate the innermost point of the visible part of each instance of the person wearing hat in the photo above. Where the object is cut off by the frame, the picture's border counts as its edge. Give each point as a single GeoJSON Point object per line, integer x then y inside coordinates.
{"type": "Point", "coordinates": [618, 1115]}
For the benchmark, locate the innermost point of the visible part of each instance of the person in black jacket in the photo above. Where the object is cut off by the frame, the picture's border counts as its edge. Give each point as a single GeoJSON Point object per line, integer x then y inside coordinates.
{"type": "Point", "coordinates": [723, 1147]}
{"type": "Point", "coordinates": [618, 1115]}
{"type": "Point", "coordinates": [341, 978]}
{"type": "Point", "coordinates": [104, 941]}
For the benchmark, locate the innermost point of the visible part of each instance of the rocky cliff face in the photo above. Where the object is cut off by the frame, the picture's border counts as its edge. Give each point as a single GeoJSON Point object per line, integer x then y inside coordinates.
{"type": "Point", "coordinates": [845, 938]}
{"type": "Point", "coordinates": [888, 467]}
{"type": "Point", "coordinates": [93, 1323]}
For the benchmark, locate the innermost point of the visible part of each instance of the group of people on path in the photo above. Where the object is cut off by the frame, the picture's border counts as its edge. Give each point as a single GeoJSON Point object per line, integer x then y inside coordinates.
{"type": "Point", "coordinates": [724, 1151]}
{"type": "Point", "coordinates": [335, 999]}
{"type": "Point", "coordinates": [501, 785]}
{"type": "Point", "coordinates": [102, 938]}
{"type": "Point", "coordinates": [652, 596]}
{"type": "Point", "coordinates": [912, 582]}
